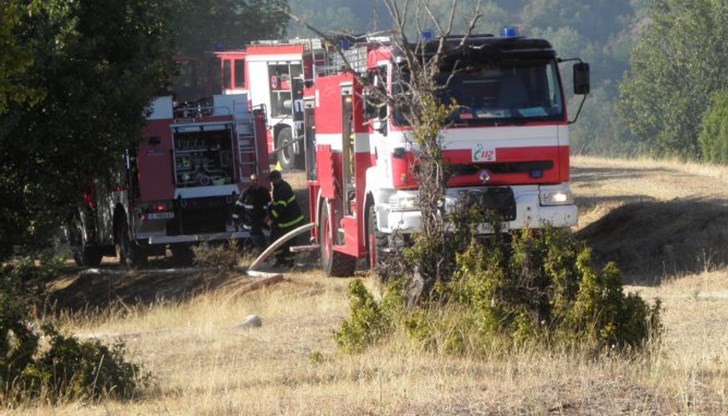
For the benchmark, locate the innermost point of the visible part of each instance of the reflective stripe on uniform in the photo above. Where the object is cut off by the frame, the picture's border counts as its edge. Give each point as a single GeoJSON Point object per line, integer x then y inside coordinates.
{"type": "Point", "coordinates": [285, 203]}
{"type": "Point", "coordinates": [289, 223]}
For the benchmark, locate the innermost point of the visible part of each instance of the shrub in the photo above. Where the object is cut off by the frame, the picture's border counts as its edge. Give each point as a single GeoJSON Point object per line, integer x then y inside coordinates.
{"type": "Point", "coordinates": [219, 256]}
{"type": "Point", "coordinates": [370, 320]}
{"type": "Point", "coordinates": [714, 130]}
{"type": "Point", "coordinates": [61, 368]}
{"type": "Point", "coordinates": [71, 369]}
{"type": "Point", "coordinates": [539, 288]}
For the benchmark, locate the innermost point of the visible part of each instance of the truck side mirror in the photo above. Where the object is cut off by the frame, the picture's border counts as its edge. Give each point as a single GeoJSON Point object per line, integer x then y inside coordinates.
{"type": "Point", "coordinates": [581, 78]}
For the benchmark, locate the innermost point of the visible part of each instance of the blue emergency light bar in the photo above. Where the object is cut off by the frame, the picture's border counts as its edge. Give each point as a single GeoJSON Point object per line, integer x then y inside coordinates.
{"type": "Point", "coordinates": [427, 35]}
{"type": "Point", "coordinates": [510, 32]}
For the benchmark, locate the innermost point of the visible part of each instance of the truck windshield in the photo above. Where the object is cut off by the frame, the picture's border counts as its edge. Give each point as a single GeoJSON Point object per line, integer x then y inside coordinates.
{"type": "Point", "coordinates": [519, 90]}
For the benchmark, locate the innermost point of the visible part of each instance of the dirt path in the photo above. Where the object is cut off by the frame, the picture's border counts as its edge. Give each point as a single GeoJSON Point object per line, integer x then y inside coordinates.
{"type": "Point", "coordinates": [654, 219]}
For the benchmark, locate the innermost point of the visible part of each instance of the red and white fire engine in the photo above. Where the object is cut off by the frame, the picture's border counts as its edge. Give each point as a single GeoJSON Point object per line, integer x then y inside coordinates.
{"type": "Point", "coordinates": [273, 74]}
{"type": "Point", "coordinates": [178, 187]}
{"type": "Point", "coordinates": [508, 145]}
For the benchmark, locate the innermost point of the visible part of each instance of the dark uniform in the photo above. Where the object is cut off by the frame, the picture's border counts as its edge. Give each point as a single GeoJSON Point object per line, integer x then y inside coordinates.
{"type": "Point", "coordinates": [285, 215]}
{"type": "Point", "coordinates": [251, 212]}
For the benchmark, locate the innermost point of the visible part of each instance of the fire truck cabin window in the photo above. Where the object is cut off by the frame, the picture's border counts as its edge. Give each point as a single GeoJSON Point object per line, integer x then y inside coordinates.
{"type": "Point", "coordinates": [519, 89]}
{"type": "Point", "coordinates": [281, 100]}
{"type": "Point", "coordinates": [239, 73]}
{"type": "Point", "coordinates": [226, 73]}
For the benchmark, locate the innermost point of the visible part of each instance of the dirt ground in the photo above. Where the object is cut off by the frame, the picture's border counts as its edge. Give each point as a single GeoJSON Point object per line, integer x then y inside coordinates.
{"type": "Point", "coordinates": [655, 220]}
{"type": "Point", "coordinates": [81, 289]}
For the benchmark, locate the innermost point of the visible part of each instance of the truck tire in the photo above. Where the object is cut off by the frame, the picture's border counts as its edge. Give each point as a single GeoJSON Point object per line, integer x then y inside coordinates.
{"type": "Point", "coordinates": [334, 263]}
{"type": "Point", "coordinates": [376, 240]}
{"type": "Point", "coordinates": [286, 156]}
{"type": "Point", "coordinates": [130, 255]}
{"type": "Point", "coordinates": [85, 253]}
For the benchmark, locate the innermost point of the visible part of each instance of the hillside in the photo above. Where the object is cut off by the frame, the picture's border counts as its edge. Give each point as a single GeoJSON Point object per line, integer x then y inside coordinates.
{"type": "Point", "coordinates": [662, 222]}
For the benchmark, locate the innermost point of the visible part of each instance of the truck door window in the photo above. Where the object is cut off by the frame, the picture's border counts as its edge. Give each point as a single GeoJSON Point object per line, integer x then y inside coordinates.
{"type": "Point", "coordinates": [239, 73]}
{"type": "Point", "coordinates": [226, 73]}
{"type": "Point", "coordinates": [554, 93]}
{"type": "Point", "coordinates": [402, 95]}
{"type": "Point", "coordinates": [281, 100]}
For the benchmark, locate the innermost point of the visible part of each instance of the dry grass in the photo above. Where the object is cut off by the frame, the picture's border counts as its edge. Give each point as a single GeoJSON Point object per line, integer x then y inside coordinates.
{"type": "Point", "coordinates": [206, 365]}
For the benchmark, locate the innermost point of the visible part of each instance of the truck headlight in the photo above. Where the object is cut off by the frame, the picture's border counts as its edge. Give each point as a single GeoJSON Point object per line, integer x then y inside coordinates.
{"type": "Point", "coordinates": [403, 202]}
{"type": "Point", "coordinates": [555, 195]}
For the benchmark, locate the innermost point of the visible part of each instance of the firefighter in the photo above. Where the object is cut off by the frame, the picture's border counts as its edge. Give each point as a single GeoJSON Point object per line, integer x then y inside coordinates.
{"type": "Point", "coordinates": [285, 215]}
{"type": "Point", "coordinates": [251, 211]}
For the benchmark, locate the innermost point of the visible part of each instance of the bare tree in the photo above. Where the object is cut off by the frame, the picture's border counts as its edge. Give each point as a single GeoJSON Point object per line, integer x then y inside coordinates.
{"type": "Point", "coordinates": [416, 99]}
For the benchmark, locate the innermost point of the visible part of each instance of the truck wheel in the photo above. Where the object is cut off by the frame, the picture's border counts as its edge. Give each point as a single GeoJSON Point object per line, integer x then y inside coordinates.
{"type": "Point", "coordinates": [130, 255]}
{"type": "Point", "coordinates": [285, 156]}
{"type": "Point", "coordinates": [376, 240]}
{"type": "Point", "coordinates": [85, 254]}
{"type": "Point", "coordinates": [334, 263]}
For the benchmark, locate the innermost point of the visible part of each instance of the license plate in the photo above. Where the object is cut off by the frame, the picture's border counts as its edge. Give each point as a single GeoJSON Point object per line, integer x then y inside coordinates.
{"type": "Point", "coordinates": [160, 216]}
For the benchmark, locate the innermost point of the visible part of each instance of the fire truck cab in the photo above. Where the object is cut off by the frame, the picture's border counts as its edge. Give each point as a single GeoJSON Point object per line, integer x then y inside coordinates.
{"type": "Point", "coordinates": [507, 144]}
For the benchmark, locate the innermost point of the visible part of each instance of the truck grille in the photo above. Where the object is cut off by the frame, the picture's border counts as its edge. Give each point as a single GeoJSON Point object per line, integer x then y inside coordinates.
{"type": "Point", "coordinates": [491, 200]}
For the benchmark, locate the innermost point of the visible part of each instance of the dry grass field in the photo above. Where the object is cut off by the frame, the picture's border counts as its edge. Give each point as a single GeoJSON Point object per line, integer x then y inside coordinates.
{"type": "Point", "coordinates": [664, 223]}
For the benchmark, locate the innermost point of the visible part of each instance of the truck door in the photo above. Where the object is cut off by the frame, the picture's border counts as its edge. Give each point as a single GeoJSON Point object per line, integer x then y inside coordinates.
{"type": "Point", "coordinates": [309, 138]}
{"type": "Point", "coordinates": [347, 151]}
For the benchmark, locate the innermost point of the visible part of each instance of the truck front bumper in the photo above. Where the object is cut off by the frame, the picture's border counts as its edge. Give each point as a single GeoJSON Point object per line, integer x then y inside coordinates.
{"type": "Point", "coordinates": [529, 214]}
{"type": "Point", "coordinates": [195, 238]}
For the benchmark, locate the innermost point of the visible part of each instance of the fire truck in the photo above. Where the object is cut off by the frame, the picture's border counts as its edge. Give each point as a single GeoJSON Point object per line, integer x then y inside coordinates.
{"type": "Point", "coordinates": [176, 188]}
{"type": "Point", "coordinates": [273, 74]}
{"type": "Point", "coordinates": [507, 144]}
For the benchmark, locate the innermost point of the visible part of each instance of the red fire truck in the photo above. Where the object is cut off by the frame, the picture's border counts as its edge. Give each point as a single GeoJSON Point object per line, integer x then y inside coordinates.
{"type": "Point", "coordinates": [177, 187]}
{"type": "Point", "coordinates": [273, 73]}
{"type": "Point", "coordinates": [507, 145]}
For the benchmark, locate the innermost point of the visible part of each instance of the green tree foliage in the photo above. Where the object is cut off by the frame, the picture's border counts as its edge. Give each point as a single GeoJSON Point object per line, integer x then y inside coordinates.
{"type": "Point", "coordinates": [206, 25]}
{"type": "Point", "coordinates": [714, 130]}
{"type": "Point", "coordinates": [339, 16]}
{"type": "Point", "coordinates": [591, 135]}
{"type": "Point", "coordinates": [15, 57]}
{"type": "Point", "coordinates": [96, 66]}
{"type": "Point", "coordinates": [594, 20]}
{"type": "Point", "coordinates": [676, 63]}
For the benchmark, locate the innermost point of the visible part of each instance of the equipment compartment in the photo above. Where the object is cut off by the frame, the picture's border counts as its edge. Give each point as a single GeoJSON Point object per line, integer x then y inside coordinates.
{"type": "Point", "coordinates": [203, 158]}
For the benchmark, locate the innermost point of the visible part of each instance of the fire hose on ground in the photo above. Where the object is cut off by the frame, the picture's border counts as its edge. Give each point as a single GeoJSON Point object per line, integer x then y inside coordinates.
{"type": "Point", "coordinates": [273, 247]}
{"type": "Point", "coordinates": [268, 278]}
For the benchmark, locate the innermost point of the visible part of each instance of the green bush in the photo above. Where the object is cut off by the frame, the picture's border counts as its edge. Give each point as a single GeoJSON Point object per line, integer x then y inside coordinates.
{"type": "Point", "coordinates": [42, 363]}
{"type": "Point", "coordinates": [71, 369]}
{"type": "Point", "coordinates": [539, 288]}
{"type": "Point", "coordinates": [370, 320]}
{"type": "Point", "coordinates": [714, 130]}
